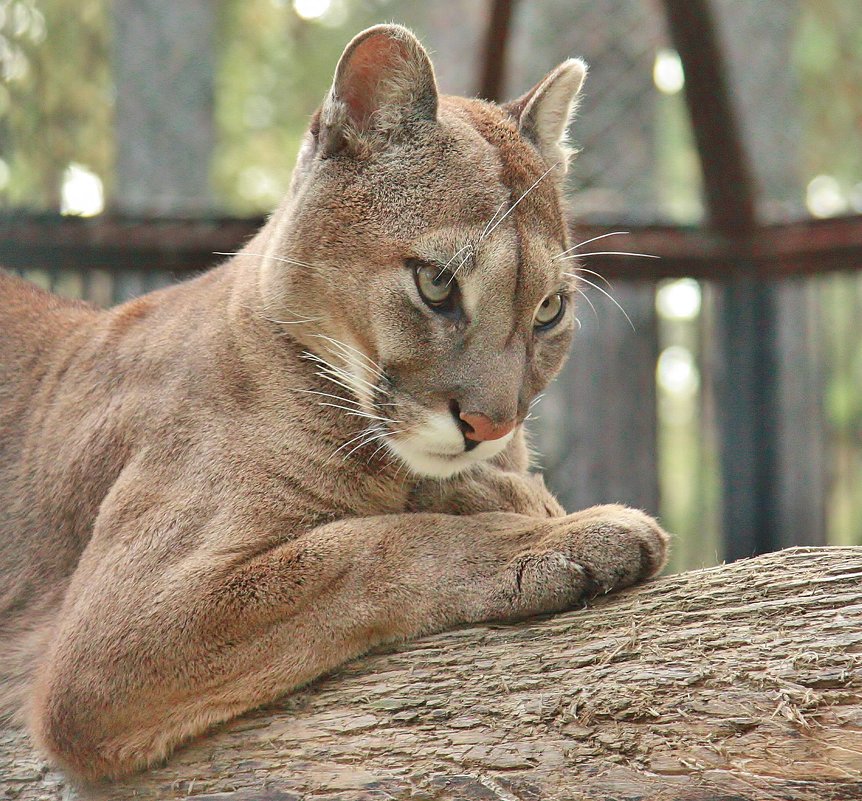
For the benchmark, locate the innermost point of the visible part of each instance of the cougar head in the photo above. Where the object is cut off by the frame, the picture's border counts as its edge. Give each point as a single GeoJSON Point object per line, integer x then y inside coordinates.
{"type": "Point", "coordinates": [415, 253]}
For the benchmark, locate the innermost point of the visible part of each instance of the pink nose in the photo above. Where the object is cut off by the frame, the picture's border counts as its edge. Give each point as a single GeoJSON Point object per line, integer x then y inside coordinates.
{"type": "Point", "coordinates": [482, 428]}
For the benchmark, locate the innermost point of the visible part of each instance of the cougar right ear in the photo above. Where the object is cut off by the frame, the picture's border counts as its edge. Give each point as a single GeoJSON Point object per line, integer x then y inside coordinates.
{"type": "Point", "coordinates": [544, 113]}
{"type": "Point", "coordinates": [384, 81]}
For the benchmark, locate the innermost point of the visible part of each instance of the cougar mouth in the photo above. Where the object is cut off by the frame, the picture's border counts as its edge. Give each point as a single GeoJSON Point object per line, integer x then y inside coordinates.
{"type": "Point", "coordinates": [437, 448]}
{"type": "Point", "coordinates": [430, 443]}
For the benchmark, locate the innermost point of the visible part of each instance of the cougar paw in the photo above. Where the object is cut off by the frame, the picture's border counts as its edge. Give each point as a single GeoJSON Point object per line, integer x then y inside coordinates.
{"type": "Point", "coordinates": [617, 545]}
{"type": "Point", "coordinates": [548, 581]}
{"type": "Point", "coordinates": [587, 554]}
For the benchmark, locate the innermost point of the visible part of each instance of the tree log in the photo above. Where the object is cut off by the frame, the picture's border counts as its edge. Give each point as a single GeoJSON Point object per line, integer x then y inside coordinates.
{"type": "Point", "coordinates": [737, 682]}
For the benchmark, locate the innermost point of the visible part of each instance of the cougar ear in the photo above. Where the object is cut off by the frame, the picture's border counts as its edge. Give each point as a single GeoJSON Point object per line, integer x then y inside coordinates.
{"type": "Point", "coordinates": [384, 81]}
{"type": "Point", "coordinates": [543, 114]}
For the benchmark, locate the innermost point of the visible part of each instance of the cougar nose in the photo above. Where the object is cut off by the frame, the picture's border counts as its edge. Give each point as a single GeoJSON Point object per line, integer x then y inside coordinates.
{"type": "Point", "coordinates": [480, 427]}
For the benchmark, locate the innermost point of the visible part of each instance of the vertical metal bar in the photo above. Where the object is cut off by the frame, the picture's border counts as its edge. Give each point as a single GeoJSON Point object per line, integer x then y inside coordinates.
{"type": "Point", "coordinates": [494, 52]}
{"type": "Point", "coordinates": [748, 386]}
{"type": "Point", "coordinates": [747, 416]}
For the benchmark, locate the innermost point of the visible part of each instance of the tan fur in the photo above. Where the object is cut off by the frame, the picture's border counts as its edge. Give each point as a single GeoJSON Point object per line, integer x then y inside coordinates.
{"type": "Point", "coordinates": [184, 532]}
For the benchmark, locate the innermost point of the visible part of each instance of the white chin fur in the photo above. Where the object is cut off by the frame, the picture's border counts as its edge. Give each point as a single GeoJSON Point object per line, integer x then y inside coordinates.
{"type": "Point", "coordinates": [436, 448]}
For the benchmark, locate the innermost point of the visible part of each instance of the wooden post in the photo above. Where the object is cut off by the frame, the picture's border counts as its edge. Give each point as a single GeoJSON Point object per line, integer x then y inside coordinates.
{"type": "Point", "coordinates": [494, 57]}
{"type": "Point", "coordinates": [164, 61]}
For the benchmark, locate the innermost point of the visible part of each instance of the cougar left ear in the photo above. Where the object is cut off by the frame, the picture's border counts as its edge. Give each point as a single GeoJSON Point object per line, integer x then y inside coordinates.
{"type": "Point", "coordinates": [383, 81]}
{"type": "Point", "coordinates": [543, 114]}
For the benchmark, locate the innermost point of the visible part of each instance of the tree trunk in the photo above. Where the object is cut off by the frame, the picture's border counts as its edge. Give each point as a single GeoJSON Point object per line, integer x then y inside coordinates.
{"type": "Point", "coordinates": [738, 682]}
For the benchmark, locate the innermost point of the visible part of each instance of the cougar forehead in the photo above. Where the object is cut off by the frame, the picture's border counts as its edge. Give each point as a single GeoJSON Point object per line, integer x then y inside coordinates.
{"type": "Point", "coordinates": [458, 172]}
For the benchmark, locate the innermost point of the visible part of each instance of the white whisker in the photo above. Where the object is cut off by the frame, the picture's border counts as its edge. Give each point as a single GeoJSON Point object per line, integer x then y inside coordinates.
{"type": "Point", "coordinates": [360, 413]}
{"type": "Point", "coordinates": [372, 417]}
{"type": "Point", "coordinates": [293, 322]}
{"type": "Point", "coordinates": [491, 221]}
{"type": "Point", "coordinates": [267, 256]}
{"type": "Point", "coordinates": [328, 395]}
{"type": "Point", "coordinates": [361, 435]}
{"type": "Point", "coordinates": [469, 248]}
{"type": "Point", "coordinates": [592, 272]}
{"type": "Point", "coordinates": [463, 262]}
{"type": "Point", "coordinates": [406, 430]}
{"type": "Point", "coordinates": [402, 464]}
{"type": "Point", "coordinates": [334, 380]}
{"type": "Point", "coordinates": [587, 242]}
{"type": "Point", "coordinates": [345, 348]}
{"type": "Point", "coordinates": [587, 299]}
{"type": "Point", "coordinates": [457, 253]}
{"type": "Point", "coordinates": [608, 295]}
{"type": "Point", "coordinates": [514, 205]}
{"type": "Point", "coordinates": [313, 357]}
{"type": "Point", "coordinates": [367, 441]}
{"type": "Point", "coordinates": [263, 315]}
{"type": "Point", "coordinates": [610, 253]}
{"type": "Point", "coordinates": [342, 373]}
{"type": "Point", "coordinates": [350, 377]}
{"type": "Point", "coordinates": [377, 450]}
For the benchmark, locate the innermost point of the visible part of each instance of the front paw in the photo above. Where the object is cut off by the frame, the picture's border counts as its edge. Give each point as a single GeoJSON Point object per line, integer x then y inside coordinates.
{"type": "Point", "coordinates": [585, 554]}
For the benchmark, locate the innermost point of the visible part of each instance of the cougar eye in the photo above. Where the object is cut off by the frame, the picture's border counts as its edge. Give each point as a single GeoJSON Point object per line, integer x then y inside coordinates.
{"type": "Point", "coordinates": [550, 311]}
{"type": "Point", "coordinates": [434, 285]}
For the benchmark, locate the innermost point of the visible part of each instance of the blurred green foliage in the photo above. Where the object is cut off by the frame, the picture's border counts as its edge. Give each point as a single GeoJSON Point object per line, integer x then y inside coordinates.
{"type": "Point", "coordinates": [828, 62]}
{"type": "Point", "coordinates": [267, 86]}
{"type": "Point", "coordinates": [56, 96]}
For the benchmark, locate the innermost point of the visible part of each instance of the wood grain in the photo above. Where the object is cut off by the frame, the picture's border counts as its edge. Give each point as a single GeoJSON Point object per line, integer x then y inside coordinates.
{"type": "Point", "coordinates": [742, 681]}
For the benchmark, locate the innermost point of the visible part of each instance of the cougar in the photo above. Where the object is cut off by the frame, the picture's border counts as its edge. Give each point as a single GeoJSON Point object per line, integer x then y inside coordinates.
{"type": "Point", "coordinates": [214, 493]}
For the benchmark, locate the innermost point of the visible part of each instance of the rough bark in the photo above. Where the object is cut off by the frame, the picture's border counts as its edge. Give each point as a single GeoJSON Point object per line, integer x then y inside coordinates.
{"type": "Point", "coordinates": [742, 681]}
